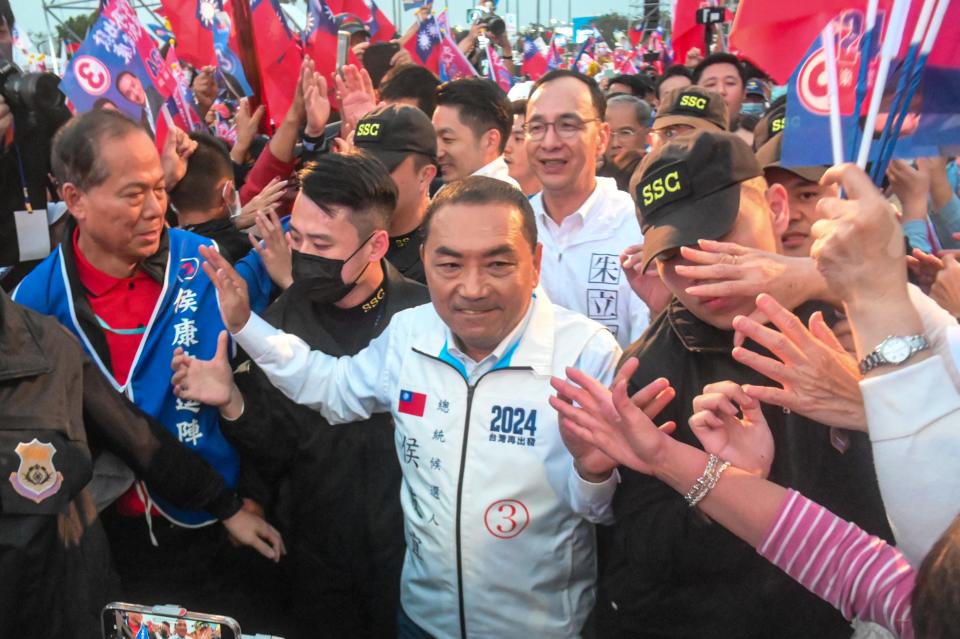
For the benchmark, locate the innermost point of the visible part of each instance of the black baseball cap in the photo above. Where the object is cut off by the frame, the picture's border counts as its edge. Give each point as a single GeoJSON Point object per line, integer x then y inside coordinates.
{"type": "Point", "coordinates": [768, 143]}
{"type": "Point", "coordinates": [693, 106]}
{"type": "Point", "coordinates": [392, 132]}
{"type": "Point", "coordinates": [690, 190]}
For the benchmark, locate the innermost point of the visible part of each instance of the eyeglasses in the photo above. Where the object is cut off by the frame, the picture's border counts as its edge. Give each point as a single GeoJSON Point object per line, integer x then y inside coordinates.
{"type": "Point", "coordinates": [623, 133]}
{"type": "Point", "coordinates": [566, 128]}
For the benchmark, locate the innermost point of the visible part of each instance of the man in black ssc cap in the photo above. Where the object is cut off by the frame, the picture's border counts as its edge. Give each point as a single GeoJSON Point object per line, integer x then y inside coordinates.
{"type": "Point", "coordinates": [667, 570]}
{"type": "Point", "coordinates": [403, 138]}
{"type": "Point", "coordinates": [685, 110]}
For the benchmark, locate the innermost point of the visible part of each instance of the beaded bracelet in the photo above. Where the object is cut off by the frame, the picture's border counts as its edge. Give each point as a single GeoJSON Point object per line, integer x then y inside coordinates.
{"type": "Point", "coordinates": [707, 481]}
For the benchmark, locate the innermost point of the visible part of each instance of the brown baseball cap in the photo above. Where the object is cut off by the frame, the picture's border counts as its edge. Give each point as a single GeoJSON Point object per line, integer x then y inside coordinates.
{"type": "Point", "coordinates": [693, 106]}
{"type": "Point", "coordinates": [690, 190]}
{"type": "Point", "coordinates": [768, 144]}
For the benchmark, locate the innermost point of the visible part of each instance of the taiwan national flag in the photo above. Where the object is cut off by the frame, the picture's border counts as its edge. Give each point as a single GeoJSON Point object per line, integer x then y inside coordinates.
{"type": "Point", "coordinates": [412, 403]}
{"type": "Point", "coordinates": [687, 34]}
{"type": "Point", "coordinates": [278, 56]}
{"type": "Point", "coordinates": [425, 46]}
{"type": "Point", "coordinates": [554, 55]}
{"type": "Point", "coordinates": [320, 38]}
{"type": "Point", "coordinates": [534, 64]}
{"type": "Point", "coordinates": [192, 22]}
{"type": "Point", "coordinates": [376, 22]}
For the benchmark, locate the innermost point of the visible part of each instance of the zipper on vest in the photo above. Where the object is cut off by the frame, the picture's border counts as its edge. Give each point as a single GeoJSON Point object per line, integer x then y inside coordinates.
{"type": "Point", "coordinates": [463, 466]}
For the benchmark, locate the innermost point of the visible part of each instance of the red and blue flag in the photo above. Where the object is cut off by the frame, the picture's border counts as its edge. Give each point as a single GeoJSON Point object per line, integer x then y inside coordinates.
{"type": "Point", "coordinates": [534, 63]}
{"type": "Point", "coordinates": [425, 45]}
{"type": "Point", "coordinates": [412, 403]}
{"type": "Point", "coordinates": [497, 70]}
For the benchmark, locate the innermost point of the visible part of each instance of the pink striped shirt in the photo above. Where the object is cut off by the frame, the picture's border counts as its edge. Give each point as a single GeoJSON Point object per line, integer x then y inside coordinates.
{"type": "Point", "coordinates": [860, 575]}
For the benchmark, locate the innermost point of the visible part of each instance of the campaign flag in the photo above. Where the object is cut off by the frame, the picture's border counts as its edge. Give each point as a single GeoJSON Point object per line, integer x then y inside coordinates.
{"type": "Point", "coordinates": [278, 56]}
{"type": "Point", "coordinates": [108, 72]}
{"type": "Point", "coordinates": [534, 64]}
{"type": "Point", "coordinates": [425, 45]}
{"type": "Point", "coordinates": [775, 36]}
{"type": "Point", "coordinates": [123, 15]}
{"type": "Point", "coordinates": [932, 126]}
{"type": "Point", "coordinates": [161, 33]}
{"type": "Point", "coordinates": [623, 62]}
{"type": "Point", "coordinates": [412, 403]}
{"type": "Point", "coordinates": [497, 70]}
{"type": "Point", "coordinates": [687, 34]}
{"type": "Point", "coordinates": [183, 99]}
{"type": "Point", "coordinates": [143, 633]}
{"type": "Point", "coordinates": [452, 64]}
{"type": "Point", "coordinates": [375, 20]}
{"type": "Point", "coordinates": [228, 62]}
{"type": "Point", "coordinates": [192, 22]}
{"type": "Point", "coordinates": [586, 49]}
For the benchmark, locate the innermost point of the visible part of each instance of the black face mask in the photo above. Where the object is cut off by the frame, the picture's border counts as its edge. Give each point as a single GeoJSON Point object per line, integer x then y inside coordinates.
{"type": "Point", "coordinates": [321, 278]}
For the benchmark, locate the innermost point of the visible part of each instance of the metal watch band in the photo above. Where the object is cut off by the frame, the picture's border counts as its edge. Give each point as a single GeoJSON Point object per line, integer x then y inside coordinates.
{"type": "Point", "coordinates": [875, 358]}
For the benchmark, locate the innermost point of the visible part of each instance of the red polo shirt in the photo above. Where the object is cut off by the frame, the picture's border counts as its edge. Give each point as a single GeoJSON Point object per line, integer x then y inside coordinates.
{"type": "Point", "coordinates": [125, 305]}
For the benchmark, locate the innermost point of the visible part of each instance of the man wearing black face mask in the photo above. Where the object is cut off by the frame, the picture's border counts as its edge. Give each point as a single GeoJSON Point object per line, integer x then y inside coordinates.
{"type": "Point", "coordinates": [333, 490]}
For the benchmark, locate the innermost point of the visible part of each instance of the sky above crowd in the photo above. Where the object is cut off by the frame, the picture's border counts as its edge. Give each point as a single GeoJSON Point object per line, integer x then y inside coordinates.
{"type": "Point", "coordinates": [29, 13]}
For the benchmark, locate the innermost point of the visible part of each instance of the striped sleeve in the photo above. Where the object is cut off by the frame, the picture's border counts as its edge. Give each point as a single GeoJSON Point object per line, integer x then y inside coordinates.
{"type": "Point", "coordinates": [860, 575]}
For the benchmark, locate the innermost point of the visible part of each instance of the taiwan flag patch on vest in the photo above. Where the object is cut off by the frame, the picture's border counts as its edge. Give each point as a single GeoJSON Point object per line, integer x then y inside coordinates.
{"type": "Point", "coordinates": [412, 403]}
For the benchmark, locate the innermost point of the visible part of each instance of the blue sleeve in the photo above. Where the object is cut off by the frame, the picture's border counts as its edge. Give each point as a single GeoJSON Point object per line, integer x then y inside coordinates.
{"type": "Point", "coordinates": [916, 232]}
{"type": "Point", "coordinates": [251, 269]}
{"type": "Point", "coordinates": [947, 222]}
{"type": "Point", "coordinates": [953, 175]}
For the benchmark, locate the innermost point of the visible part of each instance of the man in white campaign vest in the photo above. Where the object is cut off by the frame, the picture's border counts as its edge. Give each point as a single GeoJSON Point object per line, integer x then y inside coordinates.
{"type": "Point", "coordinates": [584, 222]}
{"type": "Point", "coordinates": [497, 498]}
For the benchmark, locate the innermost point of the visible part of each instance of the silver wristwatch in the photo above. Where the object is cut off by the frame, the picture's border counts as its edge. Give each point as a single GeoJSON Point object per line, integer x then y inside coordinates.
{"type": "Point", "coordinates": [895, 349]}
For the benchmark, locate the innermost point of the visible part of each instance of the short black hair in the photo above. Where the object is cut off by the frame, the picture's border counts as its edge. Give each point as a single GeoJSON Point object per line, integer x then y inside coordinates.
{"type": "Point", "coordinates": [719, 58]}
{"type": "Point", "coordinates": [482, 105]}
{"type": "Point", "coordinates": [519, 107]}
{"type": "Point", "coordinates": [356, 181]}
{"type": "Point", "coordinates": [639, 85]}
{"type": "Point", "coordinates": [936, 592]}
{"type": "Point", "coordinates": [207, 166]}
{"type": "Point", "coordinates": [75, 153]}
{"type": "Point", "coordinates": [6, 14]}
{"type": "Point", "coordinates": [412, 82]}
{"type": "Point", "coordinates": [480, 189]}
{"type": "Point", "coordinates": [675, 70]}
{"type": "Point", "coordinates": [596, 95]}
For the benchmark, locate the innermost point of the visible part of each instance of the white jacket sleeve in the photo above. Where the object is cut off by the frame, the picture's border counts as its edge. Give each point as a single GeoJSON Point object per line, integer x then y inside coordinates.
{"type": "Point", "coordinates": [593, 501]}
{"type": "Point", "coordinates": [913, 415]}
{"type": "Point", "coordinates": [344, 389]}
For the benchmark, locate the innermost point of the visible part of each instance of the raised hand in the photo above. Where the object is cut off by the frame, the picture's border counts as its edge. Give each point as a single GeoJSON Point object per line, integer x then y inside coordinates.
{"type": "Point", "coordinates": [247, 126]}
{"type": "Point", "coordinates": [177, 149]}
{"type": "Point", "coordinates": [209, 382]}
{"type": "Point", "coordinates": [745, 442]}
{"type": "Point", "coordinates": [599, 423]}
{"type": "Point", "coordinates": [231, 289]}
{"type": "Point", "coordinates": [648, 286]}
{"type": "Point", "coordinates": [356, 94]}
{"type": "Point", "coordinates": [274, 249]}
{"type": "Point", "coordinates": [946, 288]}
{"type": "Point", "coordinates": [820, 379]}
{"type": "Point", "coordinates": [316, 99]}
{"type": "Point", "coordinates": [263, 202]}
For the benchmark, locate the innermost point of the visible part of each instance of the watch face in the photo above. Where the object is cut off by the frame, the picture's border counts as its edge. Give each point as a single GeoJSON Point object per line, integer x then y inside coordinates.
{"type": "Point", "coordinates": [895, 350]}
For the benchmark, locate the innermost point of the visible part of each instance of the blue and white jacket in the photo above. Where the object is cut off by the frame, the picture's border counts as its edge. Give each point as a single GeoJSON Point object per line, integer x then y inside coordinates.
{"type": "Point", "coordinates": [187, 315]}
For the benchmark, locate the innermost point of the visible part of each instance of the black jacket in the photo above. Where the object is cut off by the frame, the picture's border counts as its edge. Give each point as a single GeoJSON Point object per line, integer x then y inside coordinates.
{"type": "Point", "coordinates": [333, 489]}
{"type": "Point", "coordinates": [234, 244]}
{"type": "Point", "coordinates": [54, 584]}
{"type": "Point", "coordinates": [670, 572]}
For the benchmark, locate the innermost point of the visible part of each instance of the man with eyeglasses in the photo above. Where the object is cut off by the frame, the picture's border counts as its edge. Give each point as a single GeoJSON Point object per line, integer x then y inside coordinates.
{"type": "Point", "coordinates": [684, 110]}
{"type": "Point", "coordinates": [629, 121]}
{"type": "Point", "coordinates": [584, 221]}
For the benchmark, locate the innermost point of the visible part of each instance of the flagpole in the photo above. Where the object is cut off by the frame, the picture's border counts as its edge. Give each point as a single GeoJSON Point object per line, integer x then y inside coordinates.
{"type": "Point", "coordinates": [891, 44]}
{"type": "Point", "coordinates": [916, 74]}
{"type": "Point", "coordinates": [866, 51]}
{"type": "Point", "coordinates": [248, 56]}
{"type": "Point", "coordinates": [833, 91]}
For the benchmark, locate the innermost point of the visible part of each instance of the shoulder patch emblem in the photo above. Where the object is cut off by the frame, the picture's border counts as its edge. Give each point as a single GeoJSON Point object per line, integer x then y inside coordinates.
{"type": "Point", "coordinates": [36, 479]}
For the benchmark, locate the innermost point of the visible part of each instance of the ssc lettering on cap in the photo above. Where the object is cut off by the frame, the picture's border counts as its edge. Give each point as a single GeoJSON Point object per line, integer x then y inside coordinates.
{"type": "Point", "coordinates": [776, 125]}
{"type": "Point", "coordinates": [693, 101]}
{"type": "Point", "coordinates": [368, 130]}
{"type": "Point", "coordinates": [666, 185]}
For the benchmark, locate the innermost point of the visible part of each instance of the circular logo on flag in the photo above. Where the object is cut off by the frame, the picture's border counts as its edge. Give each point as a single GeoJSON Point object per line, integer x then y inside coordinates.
{"type": "Point", "coordinates": [92, 75]}
{"type": "Point", "coordinates": [506, 518]}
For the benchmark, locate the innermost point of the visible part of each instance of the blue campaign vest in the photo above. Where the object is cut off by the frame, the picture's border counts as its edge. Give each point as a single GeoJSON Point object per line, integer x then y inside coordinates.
{"type": "Point", "coordinates": [186, 315]}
